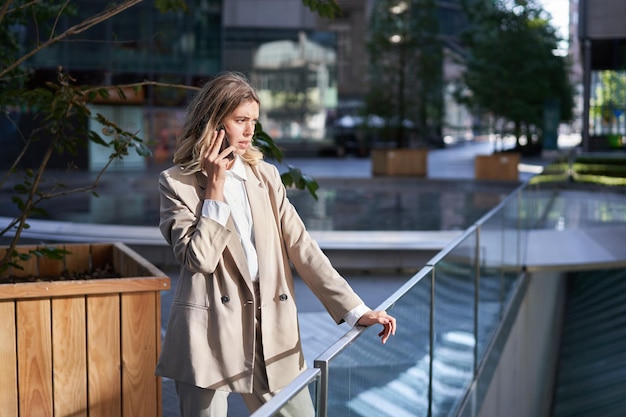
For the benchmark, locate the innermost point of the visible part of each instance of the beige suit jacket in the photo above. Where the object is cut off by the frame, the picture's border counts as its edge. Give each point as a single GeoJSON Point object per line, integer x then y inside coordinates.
{"type": "Point", "coordinates": [210, 337]}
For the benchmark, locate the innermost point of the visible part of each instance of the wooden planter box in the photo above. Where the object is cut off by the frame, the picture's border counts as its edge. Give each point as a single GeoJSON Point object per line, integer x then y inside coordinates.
{"type": "Point", "coordinates": [401, 162]}
{"type": "Point", "coordinates": [498, 166]}
{"type": "Point", "coordinates": [82, 348]}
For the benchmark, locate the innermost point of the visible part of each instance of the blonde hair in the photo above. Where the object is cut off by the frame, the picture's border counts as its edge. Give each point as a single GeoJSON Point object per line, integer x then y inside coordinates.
{"type": "Point", "coordinates": [217, 99]}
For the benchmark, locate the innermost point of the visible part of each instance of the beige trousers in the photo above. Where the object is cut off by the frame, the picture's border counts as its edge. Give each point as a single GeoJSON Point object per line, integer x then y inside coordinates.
{"type": "Point", "coordinates": [200, 402]}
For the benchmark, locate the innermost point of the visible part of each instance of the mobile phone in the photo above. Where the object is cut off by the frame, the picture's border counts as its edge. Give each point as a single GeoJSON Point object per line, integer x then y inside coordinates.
{"type": "Point", "coordinates": [225, 143]}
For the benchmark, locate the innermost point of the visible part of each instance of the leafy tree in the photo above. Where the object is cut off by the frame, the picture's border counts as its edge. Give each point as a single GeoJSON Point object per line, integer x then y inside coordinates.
{"type": "Point", "coordinates": [60, 103]}
{"type": "Point", "coordinates": [511, 68]}
{"type": "Point", "coordinates": [406, 63]}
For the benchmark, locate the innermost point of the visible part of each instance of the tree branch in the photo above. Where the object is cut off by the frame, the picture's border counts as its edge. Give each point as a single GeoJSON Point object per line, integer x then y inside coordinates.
{"type": "Point", "coordinates": [5, 9]}
{"type": "Point", "coordinates": [74, 30]}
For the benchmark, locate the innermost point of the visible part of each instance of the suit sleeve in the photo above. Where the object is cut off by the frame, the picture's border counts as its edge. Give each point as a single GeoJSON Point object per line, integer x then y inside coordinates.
{"type": "Point", "coordinates": [310, 262]}
{"type": "Point", "coordinates": [197, 241]}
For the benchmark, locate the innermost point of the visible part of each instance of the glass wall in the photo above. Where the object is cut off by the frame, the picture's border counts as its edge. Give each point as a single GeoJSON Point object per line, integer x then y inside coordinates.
{"type": "Point", "coordinates": [138, 44]}
{"type": "Point", "coordinates": [294, 72]}
{"type": "Point", "coordinates": [140, 41]}
{"type": "Point", "coordinates": [607, 107]}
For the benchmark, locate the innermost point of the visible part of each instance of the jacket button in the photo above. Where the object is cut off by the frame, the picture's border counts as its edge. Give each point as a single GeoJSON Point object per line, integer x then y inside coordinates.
{"type": "Point", "coordinates": [282, 297]}
{"type": "Point", "coordinates": [225, 299]}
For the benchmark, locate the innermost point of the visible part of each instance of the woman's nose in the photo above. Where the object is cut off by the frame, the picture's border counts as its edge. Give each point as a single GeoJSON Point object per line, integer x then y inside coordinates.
{"type": "Point", "coordinates": [249, 130]}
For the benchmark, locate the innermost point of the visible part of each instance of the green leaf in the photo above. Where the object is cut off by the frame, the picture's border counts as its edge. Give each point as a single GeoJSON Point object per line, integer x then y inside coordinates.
{"type": "Point", "coordinates": [287, 179]}
{"type": "Point", "coordinates": [313, 186]}
{"type": "Point", "coordinates": [94, 137]}
{"type": "Point", "coordinates": [50, 252]}
{"type": "Point", "coordinates": [103, 92]}
{"type": "Point", "coordinates": [142, 150]}
{"type": "Point", "coordinates": [38, 211]}
{"type": "Point", "coordinates": [21, 189]}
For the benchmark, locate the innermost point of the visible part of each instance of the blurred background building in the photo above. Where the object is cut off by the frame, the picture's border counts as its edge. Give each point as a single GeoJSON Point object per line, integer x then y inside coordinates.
{"type": "Point", "coordinates": [602, 46]}
{"type": "Point", "coordinates": [310, 71]}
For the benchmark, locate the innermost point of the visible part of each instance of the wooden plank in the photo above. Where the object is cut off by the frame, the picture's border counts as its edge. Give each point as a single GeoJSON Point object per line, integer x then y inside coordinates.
{"type": "Point", "coordinates": [86, 287]}
{"type": "Point", "coordinates": [103, 356]}
{"type": "Point", "coordinates": [3, 252]}
{"type": "Point", "coordinates": [34, 358]}
{"type": "Point", "coordinates": [130, 264]}
{"type": "Point", "coordinates": [127, 265]}
{"type": "Point", "coordinates": [69, 356]}
{"type": "Point", "coordinates": [79, 258]}
{"type": "Point", "coordinates": [157, 333]}
{"type": "Point", "coordinates": [139, 355]}
{"type": "Point", "coordinates": [101, 254]}
{"type": "Point", "coordinates": [50, 267]}
{"type": "Point", "coordinates": [8, 360]}
{"type": "Point", "coordinates": [30, 267]}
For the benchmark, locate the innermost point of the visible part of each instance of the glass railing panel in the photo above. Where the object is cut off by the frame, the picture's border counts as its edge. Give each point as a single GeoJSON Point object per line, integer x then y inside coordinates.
{"type": "Point", "coordinates": [536, 202]}
{"type": "Point", "coordinates": [512, 247]}
{"type": "Point", "coordinates": [367, 378]}
{"type": "Point", "coordinates": [492, 287]}
{"type": "Point", "coordinates": [291, 400]}
{"type": "Point", "coordinates": [501, 251]}
{"type": "Point", "coordinates": [454, 325]}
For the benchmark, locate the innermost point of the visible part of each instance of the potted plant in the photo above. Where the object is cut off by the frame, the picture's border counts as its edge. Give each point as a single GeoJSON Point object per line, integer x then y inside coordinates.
{"type": "Point", "coordinates": [497, 166]}
{"type": "Point", "coordinates": [81, 334]}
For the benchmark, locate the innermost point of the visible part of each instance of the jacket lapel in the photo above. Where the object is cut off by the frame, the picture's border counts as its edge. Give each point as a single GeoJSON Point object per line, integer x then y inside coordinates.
{"type": "Point", "coordinates": [234, 244]}
{"type": "Point", "coordinates": [261, 215]}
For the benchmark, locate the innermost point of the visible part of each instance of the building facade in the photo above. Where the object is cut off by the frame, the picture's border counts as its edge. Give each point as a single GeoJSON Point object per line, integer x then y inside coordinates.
{"type": "Point", "coordinates": [305, 67]}
{"type": "Point", "coordinates": [602, 37]}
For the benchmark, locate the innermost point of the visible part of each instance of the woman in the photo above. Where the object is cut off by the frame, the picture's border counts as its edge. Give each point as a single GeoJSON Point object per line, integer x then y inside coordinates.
{"type": "Point", "coordinates": [233, 324]}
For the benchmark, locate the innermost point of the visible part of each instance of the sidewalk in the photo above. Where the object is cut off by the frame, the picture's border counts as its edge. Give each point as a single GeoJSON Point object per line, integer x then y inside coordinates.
{"type": "Point", "coordinates": [455, 162]}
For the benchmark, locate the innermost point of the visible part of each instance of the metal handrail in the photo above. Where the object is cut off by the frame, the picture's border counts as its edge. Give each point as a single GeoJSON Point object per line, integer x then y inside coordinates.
{"type": "Point", "coordinates": [301, 382]}
{"type": "Point", "coordinates": [322, 362]}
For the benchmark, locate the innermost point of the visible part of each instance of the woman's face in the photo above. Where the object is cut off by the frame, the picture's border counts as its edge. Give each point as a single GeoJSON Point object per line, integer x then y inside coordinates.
{"type": "Point", "coordinates": [239, 125]}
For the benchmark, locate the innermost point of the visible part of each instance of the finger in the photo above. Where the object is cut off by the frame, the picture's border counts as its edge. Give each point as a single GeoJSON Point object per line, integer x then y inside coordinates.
{"type": "Point", "coordinates": [218, 138]}
{"type": "Point", "coordinates": [211, 149]}
{"type": "Point", "coordinates": [384, 334]}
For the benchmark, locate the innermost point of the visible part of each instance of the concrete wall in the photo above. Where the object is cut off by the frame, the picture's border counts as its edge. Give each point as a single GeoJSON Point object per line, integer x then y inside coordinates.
{"type": "Point", "coordinates": [522, 383]}
{"type": "Point", "coordinates": [604, 18]}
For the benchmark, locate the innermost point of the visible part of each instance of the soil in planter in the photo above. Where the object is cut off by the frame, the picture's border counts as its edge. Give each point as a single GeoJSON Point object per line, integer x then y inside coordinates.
{"type": "Point", "coordinates": [99, 273]}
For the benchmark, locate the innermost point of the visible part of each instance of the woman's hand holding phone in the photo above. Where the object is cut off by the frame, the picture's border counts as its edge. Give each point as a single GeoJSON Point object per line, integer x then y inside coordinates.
{"type": "Point", "coordinates": [216, 163]}
{"type": "Point", "coordinates": [225, 144]}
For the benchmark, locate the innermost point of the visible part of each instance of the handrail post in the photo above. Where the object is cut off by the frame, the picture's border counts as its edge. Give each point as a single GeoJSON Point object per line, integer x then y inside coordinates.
{"type": "Point", "coordinates": [322, 394]}
{"type": "Point", "coordinates": [431, 342]}
{"type": "Point", "coordinates": [476, 297]}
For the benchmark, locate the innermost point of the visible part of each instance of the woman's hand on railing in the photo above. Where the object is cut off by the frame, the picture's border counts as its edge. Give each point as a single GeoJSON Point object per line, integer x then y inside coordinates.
{"type": "Point", "coordinates": [379, 317]}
